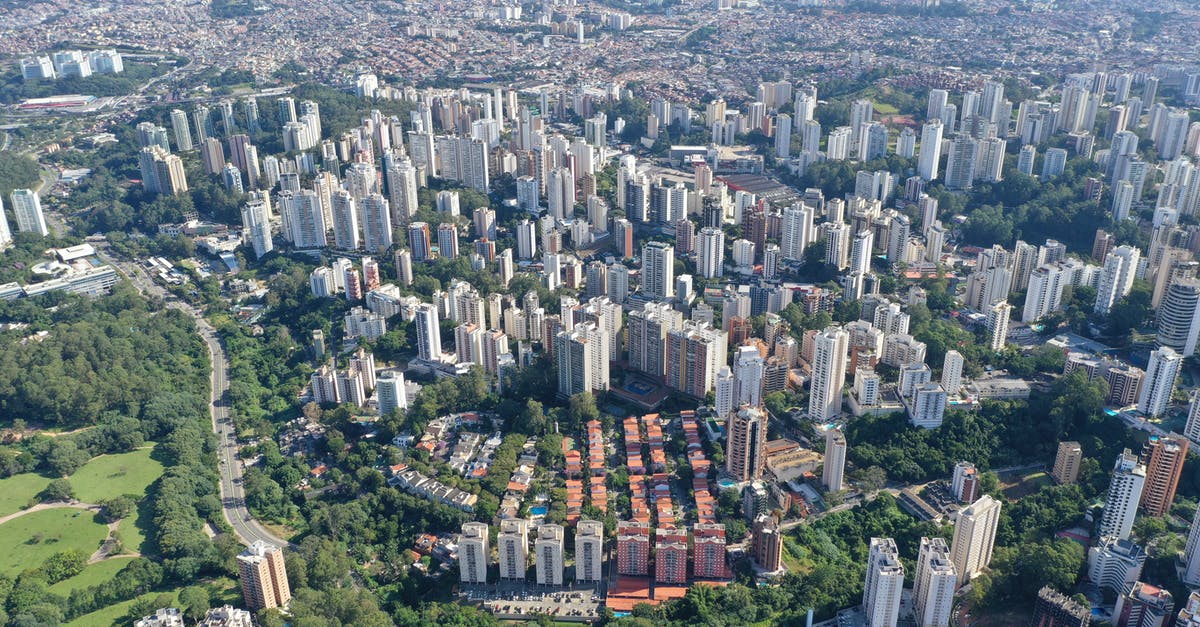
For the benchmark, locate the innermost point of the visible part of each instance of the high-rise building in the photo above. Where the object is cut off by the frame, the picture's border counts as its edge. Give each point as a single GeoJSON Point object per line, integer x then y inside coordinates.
{"type": "Point", "coordinates": [1044, 296]}
{"type": "Point", "coordinates": [5, 234]}
{"type": "Point", "coordinates": [658, 270]}
{"type": "Point", "coordinates": [633, 548]}
{"type": "Point", "coordinates": [695, 354]}
{"type": "Point", "coordinates": [710, 259]}
{"type": "Point", "coordinates": [429, 333]}
{"type": "Point", "coordinates": [162, 172]}
{"type": "Point", "coordinates": [828, 374]}
{"type": "Point", "coordinates": [648, 328]}
{"type": "Point", "coordinates": [768, 543]}
{"type": "Point", "coordinates": [1164, 464]}
{"type": "Point", "coordinates": [27, 207]}
{"type": "Point", "coordinates": [1054, 609]}
{"type": "Point", "coordinates": [974, 537]}
{"type": "Point", "coordinates": [1124, 494]}
{"type": "Point", "coordinates": [1114, 564]}
{"type": "Point", "coordinates": [952, 367]}
{"type": "Point", "coordinates": [748, 376]}
{"type": "Point", "coordinates": [997, 324]}
{"type": "Point", "coordinates": [670, 555]}
{"type": "Point", "coordinates": [1116, 279]}
{"type": "Point", "coordinates": [934, 584]}
{"type": "Point", "coordinates": [928, 405]}
{"type": "Point", "coordinates": [1179, 315]}
{"type": "Point", "coordinates": [884, 584]}
{"type": "Point", "coordinates": [303, 219]}
{"type": "Point", "coordinates": [512, 545]}
{"type": "Point", "coordinates": [964, 484]}
{"type": "Point", "coordinates": [390, 393]}
{"type": "Point", "coordinates": [931, 149]}
{"type": "Point", "coordinates": [835, 459]}
{"type": "Point", "coordinates": [263, 576]}
{"type": "Point", "coordinates": [797, 231]}
{"type": "Point", "coordinates": [548, 555]}
{"type": "Point", "coordinates": [1066, 463]}
{"type": "Point", "coordinates": [256, 225]}
{"type": "Point", "coordinates": [474, 553]}
{"type": "Point", "coordinates": [747, 439]}
{"type": "Point", "coordinates": [1159, 383]}
{"type": "Point", "coordinates": [589, 550]}
{"type": "Point", "coordinates": [583, 359]}
{"type": "Point", "coordinates": [1191, 553]}
{"type": "Point", "coordinates": [1144, 605]}
{"type": "Point", "coordinates": [419, 241]}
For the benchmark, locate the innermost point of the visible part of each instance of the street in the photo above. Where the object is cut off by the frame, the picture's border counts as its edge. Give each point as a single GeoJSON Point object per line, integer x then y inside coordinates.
{"type": "Point", "coordinates": [233, 497]}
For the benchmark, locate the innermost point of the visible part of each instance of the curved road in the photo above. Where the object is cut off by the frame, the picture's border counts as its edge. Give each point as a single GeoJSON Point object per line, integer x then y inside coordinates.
{"type": "Point", "coordinates": [233, 496]}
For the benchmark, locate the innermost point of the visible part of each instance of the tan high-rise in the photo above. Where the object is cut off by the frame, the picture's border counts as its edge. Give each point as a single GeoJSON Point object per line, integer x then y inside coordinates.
{"type": "Point", "coordinates": [1066, 463]}
{"type": "Point", "coordinates": [264, 577]}
{"type": "Point", "coordinates": [1164, 463]}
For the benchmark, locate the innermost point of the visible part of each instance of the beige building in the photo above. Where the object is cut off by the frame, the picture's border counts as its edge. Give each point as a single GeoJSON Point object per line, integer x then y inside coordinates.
{"type": "Point", "coordinates": [264, 576]}
{"type": "Point", "coordinates": [1066, 463]}
{"type": "Point", "coordinates": [974, 537]}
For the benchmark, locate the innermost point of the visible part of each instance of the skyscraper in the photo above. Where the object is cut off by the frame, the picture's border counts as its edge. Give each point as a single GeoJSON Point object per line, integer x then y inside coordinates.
{"type": "Point", "coordinates": [658, 270]}
{"type": "Point", "coordinates": [711, 258]}
{"type": "Point", "coordinates": [1191, 553]}
{"type": "Point", "coordinates": [1120, 266]}
{"type": "Point", "coordinates": [429, 332]}
{"type": "Point", "coordinates": [695, 354]}
{"type": "Point", "coordinates": [1164, 464]}
{"type": "Point", "coordinates": [548, 555]}
{"type": "Point", "coordinates": [884, 584]}
{"type": "Point", "coordinates": [27, 207]}
{"type": "Point", "coordinates": [512, 544]}
{"type": "Point", "coordinates": [589, 550]}
{"type": "Point", "coordinates": [997, 324]}
{"type": "Point", "coordinates": [1066, 463]}
{"type": "Point", "coordinates": [583, 357]}
{"type": "Point", "coordinates": [931, 149]}
{"type": "Point", "coordinates": [934, 584]}
{"type": "Point", "coordinates": [256, 224]}
{"type": "Point", "coordinates": [263, 576]}
{"type": "Point", "coordinates": [835, 459]}
{"type": "Point", "coordinates": [974, 537]}
{"type": "Point", "coordinates": [747, 430]}
{"type": "Point", "coordinates": [828, 374]}
{"type": "Point", "coordinates": [474, 553]}
{"type": "Point", "coordinates": [748, 376]}
{"type": "Point", "coordinates": [1159, 383]}
{"type": "Point", "coordinates": [1124, 494]}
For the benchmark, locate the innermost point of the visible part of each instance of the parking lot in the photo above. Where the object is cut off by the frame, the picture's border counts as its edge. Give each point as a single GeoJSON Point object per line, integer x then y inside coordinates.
{"type": "Point", "coordinates": [518, 601]}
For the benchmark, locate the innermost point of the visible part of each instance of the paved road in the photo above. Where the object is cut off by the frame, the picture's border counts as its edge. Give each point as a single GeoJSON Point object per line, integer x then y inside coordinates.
{"type": "Point", "coordinates": [233, 497]}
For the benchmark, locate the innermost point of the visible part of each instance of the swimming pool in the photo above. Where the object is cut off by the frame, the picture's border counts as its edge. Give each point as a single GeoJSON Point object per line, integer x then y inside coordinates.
{"type": "Point", "coordinates": [540, 510]}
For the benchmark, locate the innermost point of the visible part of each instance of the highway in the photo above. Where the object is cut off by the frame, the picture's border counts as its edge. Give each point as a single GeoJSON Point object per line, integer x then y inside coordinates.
{"type": "Point", "coordinates": [233, 497]}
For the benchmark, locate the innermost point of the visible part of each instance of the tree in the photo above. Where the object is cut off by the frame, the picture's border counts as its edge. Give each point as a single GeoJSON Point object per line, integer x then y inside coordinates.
{"type": "Point", "coordinates": [117, 508]}
{"type": "Point", "coordinates": [57, 490]}
{"type": "Point", "coordinates": [195, 602]}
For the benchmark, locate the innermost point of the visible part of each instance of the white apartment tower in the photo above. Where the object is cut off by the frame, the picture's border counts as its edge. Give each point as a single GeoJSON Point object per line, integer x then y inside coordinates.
{"type": "Point", "coordinates": [1124, 494]}
{"type": "Point", "coordinates": [829, 373]}
{"type": "Point", "coordinates": [512, 543]}
{"type": "Point", "coordinates": [884, 584]}
{"type": "Point", "coordinates": [1159, 382]}
{"type": "Point", "coordinates": [974, 537]}
{"type": "Point", "coordinates": [474, 552]}
{"type": "Point", "coordinates": [935, 583]}
{"type": "Point", "coordinates": [589, 550]}
{"type": "Point", "coordinates": [835, 459]}
{"type": "Point", "coordinates": [548, 555]}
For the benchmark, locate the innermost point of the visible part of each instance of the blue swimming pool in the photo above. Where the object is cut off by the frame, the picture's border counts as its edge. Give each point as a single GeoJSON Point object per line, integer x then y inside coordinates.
{"type": "Point", "coordinates": [538, 511]}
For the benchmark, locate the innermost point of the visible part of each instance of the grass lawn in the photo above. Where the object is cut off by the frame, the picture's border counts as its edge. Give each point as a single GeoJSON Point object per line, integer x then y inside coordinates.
{"type": "Point", "coordinates": [109, 476]}
{"type": "Point", "coordinates": [32, 538]}
{"type": "Point", "coordinates": [18, 490]}
{"type": "Point", "coordinates": [884, 108]}
{"type": "Point", "coordinates": [1024, 485]}
{"type": "Point", "coordinates": [92, 575]}
{"type": "Point", "coordinates": [132, 535]}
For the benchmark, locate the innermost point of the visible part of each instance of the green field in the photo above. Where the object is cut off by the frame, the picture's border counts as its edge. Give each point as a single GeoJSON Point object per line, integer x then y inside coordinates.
{"type": "Point", "coordinates": [18, 490]}
{"type": "Point", "coordinates": [1015, 487]}
{"type": "Point", "coordinates": [92, 575]}
{"type": "Point", "coordinates": [132, 535]}
{"type": "Point", "coordinates": [30, 539]}
{"type": "Point", "coordinates": [108, 476]}
{"type": "Point", "coordinates": [886, 109]}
